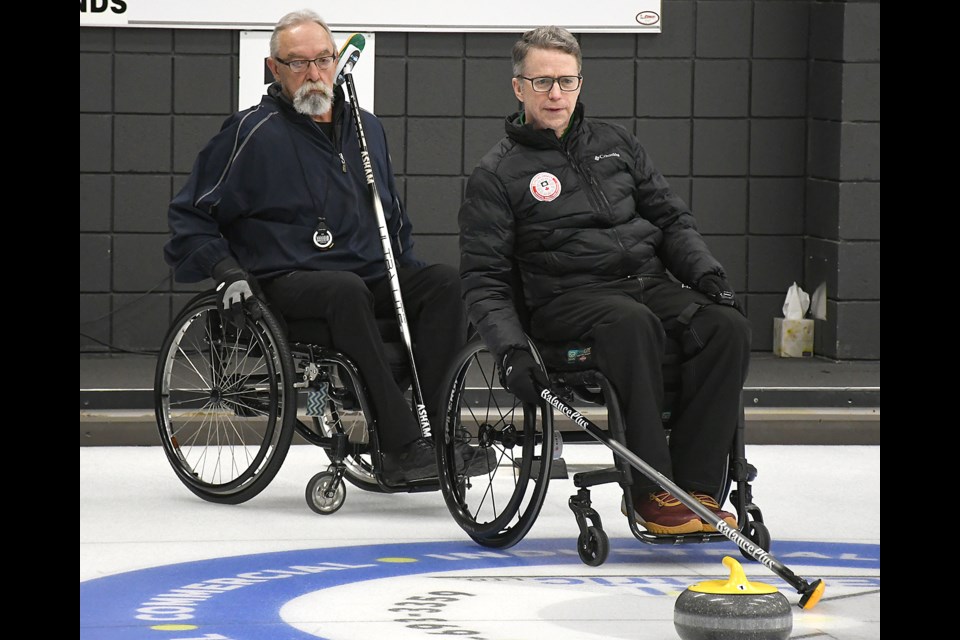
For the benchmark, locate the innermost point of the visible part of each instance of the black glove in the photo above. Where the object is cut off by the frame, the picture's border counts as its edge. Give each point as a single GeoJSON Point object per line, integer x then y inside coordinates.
{"type": "Point", "coordinates": [236, 289]}
{"type": "Point", "coordinates": [519, 371]}
{"type": "Point", "coordinates": [717, 288]}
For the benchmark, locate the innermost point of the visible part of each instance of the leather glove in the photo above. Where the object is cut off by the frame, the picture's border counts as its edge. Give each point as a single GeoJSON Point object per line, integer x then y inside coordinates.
{"type": "Point", "coordinates": [716, 287]}
{"type": "Point", "coordinates": [236, 290]}
{"type": "Point", "coordinates": [518, 373]}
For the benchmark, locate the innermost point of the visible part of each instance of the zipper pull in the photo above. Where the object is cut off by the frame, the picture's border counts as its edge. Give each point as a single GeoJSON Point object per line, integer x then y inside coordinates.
{"type": "Point", "coordinates": [343, 163]}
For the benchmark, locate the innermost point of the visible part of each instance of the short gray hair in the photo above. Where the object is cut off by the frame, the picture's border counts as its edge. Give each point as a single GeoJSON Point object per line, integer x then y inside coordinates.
{"type": "Point", "coordinates": [551, 37]}
{"type": "Point", "coordinates": [293, 19]}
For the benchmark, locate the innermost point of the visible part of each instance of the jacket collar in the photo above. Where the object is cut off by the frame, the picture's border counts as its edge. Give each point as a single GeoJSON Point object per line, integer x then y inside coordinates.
{"type": "Point", "coordinates": [525, 134]}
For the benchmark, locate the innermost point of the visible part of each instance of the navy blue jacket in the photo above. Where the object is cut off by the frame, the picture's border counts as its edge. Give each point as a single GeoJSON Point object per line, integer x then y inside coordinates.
{"type": "Point", "coordinates": [260, 185]}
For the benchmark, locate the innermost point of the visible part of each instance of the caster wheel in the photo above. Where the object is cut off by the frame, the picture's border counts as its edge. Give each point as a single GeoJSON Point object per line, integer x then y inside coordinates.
{"type": "Point", "coordinates": [317, 496]}
{"type": "Point", "coordinates": [758, 533]}
{"type": "Point", "coordinates": [593, 545]}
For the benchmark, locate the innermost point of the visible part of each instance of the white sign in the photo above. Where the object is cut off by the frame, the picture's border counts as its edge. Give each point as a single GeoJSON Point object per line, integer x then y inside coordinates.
{"type": "Point", "coordinates": [255, 48]}
{"type": "Point", "coordinates": [606, 16]}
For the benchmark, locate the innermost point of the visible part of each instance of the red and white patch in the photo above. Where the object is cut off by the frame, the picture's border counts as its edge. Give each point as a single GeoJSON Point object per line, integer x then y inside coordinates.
{"type": "Point", "coordinates": [545, 186]}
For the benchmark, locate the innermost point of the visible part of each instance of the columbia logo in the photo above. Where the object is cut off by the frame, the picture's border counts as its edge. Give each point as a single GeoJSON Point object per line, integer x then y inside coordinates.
{"type": "Point", "coordinates": [606, 155]}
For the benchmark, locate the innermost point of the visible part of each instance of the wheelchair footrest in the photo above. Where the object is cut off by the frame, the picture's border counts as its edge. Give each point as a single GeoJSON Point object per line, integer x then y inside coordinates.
{"type": "Point", "coordinates": [600, 476]}
{"type": "Point", "coordinates": [558, 471]}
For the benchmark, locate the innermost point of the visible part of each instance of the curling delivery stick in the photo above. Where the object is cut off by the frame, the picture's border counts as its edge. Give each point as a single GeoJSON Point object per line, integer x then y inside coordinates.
{"type": "Point", "coordinates": [349, 54]}
{"type": "Point", "coordinates": [810, 592]}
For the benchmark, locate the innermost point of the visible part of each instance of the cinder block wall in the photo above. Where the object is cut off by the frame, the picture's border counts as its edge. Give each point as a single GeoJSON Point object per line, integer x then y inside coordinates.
{"type": "Point", "coordinates": [763, 115]}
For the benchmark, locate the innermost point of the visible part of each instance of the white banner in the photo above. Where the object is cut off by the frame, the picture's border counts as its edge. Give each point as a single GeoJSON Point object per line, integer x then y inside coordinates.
{"type": "Point", "coordinates": [607, 16]}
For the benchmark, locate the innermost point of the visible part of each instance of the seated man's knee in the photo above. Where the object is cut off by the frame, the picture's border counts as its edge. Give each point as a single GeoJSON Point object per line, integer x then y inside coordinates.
{"type": "Point", "coordinates": [734, 326]}
{"type": "Point", "coordinates": [723, 323]}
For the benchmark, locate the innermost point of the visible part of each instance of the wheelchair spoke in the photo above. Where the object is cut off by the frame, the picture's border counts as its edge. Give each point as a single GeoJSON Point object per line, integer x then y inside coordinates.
{"type": "Point", "coordinates": [221, 395]}
{"type": "Point", "coordinates": [496, 505]}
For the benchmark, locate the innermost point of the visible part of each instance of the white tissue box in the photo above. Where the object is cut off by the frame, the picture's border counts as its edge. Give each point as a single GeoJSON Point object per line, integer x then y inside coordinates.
{"type": "Point", "coordinates": [792, 338]}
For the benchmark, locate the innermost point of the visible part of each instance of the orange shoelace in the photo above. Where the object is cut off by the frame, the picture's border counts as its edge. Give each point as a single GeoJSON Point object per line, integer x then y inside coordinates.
{"type": "Point", "coordinates": [706, 500]}
{"type": "Point", "coordinates": [665, 499]}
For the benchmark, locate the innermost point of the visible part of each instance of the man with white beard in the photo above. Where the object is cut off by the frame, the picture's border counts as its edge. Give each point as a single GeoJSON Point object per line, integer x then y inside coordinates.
{"type": "Point", "coordinates": [277, 207]}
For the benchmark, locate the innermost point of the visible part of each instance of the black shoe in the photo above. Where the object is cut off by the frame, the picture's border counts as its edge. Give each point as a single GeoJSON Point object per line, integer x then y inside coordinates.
{"type": "Point", "coordinates": [416, 461]}
{"type": "Point", "coordinates": [475, 461]}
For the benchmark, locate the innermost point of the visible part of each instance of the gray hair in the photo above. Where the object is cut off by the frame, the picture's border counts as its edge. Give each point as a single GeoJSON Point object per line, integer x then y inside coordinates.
{"type": "Point", "coordinates": [551, 37]}
{"type": "Point", "coordinates": [293, 19]}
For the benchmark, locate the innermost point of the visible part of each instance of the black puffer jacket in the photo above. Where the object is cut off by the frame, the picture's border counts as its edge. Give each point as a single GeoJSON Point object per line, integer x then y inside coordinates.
{"type": "Point", "coordinates": [574, 212]}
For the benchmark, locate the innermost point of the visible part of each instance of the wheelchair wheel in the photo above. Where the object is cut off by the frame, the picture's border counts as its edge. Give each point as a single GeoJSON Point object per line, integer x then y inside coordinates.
{"type": "Point", "coordinates": [593, 546]}
{"type": "Point", "coordinates": [513, 440]}
{"type": "Point", "coordinates": [224, 402]}
{"type": "Point", "coordinates": [757, 533]}
{"type": "Point", "coordinates": [317, 493]}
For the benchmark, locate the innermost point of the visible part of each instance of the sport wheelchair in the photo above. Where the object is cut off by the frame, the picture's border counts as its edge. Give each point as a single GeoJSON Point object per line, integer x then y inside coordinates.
{"type": "Point", "coordinates": [229, 399]}
{"type": "Point", "coordinates": [498, 510]}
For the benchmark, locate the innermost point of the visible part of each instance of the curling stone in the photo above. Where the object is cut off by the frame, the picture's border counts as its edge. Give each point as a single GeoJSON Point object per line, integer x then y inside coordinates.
{"type": "Point", "coordinates": [733, 609]}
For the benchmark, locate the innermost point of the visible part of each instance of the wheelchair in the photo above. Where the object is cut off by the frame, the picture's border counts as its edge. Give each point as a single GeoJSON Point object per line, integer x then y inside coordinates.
{"type": "Point", "coordinates": [229, 399]}
{"type": "Point", "coordinates": [498, 510]}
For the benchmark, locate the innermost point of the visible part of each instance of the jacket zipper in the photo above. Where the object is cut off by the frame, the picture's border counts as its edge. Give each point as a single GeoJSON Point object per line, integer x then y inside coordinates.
{"type": "Point", "coordinates": [598, 199]}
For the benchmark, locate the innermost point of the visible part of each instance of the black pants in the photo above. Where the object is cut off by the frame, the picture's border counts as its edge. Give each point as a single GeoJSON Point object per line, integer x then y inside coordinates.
{"type": "Point", "coordinates": [626, 321]}
{"type": "Point", "coordinates": [350, 307]}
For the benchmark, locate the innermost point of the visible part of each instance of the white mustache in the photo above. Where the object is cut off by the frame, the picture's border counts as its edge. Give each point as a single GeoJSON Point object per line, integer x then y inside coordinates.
{"type": "Point", "coordinates": [319, 86]}
{"type": "Point", "coordinates": [313, 98]}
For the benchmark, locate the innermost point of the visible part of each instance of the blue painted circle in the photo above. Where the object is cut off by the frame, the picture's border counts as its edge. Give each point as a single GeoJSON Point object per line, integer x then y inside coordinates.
{"type": "Point", "coordinates": [223, 595]}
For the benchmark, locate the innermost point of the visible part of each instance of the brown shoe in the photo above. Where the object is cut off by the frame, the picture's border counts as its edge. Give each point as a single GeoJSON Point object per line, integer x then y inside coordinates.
{"type": "Point", "coordinates": [710, 503]}
{"type": "Point", "coordinates": [662, 513]}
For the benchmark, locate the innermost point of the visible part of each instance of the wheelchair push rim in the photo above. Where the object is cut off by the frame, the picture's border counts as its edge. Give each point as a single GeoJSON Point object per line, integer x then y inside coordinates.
{"type": "Point", "coordinates": [496, 508]}
{"type": "Point", "coordinates": [224, 402]}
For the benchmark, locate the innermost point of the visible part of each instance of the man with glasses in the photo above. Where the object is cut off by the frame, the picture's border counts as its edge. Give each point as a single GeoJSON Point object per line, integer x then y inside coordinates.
{"type": "Point", "coordinates": [605, 253]}
{"type": "Point", "coordinates": [277, 206]}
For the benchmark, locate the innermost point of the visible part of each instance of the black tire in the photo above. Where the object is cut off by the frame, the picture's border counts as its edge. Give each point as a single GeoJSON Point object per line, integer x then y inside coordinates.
{"type": "Point", "coordinates": [316, 496]}
{"type": "Point", "coordinates": [593, 545]}
{"type": "Point", "coordinates": [758, 533]}
{"type": "Point", "coordinates": [515, 442]}
{"type": "Point", "coordinates": [224, 401]}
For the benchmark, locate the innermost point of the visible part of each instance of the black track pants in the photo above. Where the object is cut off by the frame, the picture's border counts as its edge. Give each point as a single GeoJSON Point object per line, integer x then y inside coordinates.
{"type": "Point", "coordinates": [350, 307]}
{"type": "Point", "coordinates": [627, 323]}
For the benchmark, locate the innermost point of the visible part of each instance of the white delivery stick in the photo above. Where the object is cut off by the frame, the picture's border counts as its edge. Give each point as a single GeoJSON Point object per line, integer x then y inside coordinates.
{"type": "Point", "coordinates": [421, 408]}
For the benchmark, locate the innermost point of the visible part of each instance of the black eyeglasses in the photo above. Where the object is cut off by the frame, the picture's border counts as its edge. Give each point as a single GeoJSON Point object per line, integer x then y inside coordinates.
{"type": "Point", "coordinates": [300, 66]}
{"type": "Point", "coordinates": [545, 83]}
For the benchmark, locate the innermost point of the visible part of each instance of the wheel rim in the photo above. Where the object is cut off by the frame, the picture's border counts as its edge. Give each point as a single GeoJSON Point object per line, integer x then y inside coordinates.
{"type": "Point", "coordinates": [497, 508]}
{"type": "Point", "coordinates": [221, 402]}
{"type": "Point", "coordinates": [323, 502]}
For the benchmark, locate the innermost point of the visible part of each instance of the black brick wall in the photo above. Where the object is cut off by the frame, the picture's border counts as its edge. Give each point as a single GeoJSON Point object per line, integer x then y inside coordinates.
{"type": "Point", "coordinates": [764, 115]}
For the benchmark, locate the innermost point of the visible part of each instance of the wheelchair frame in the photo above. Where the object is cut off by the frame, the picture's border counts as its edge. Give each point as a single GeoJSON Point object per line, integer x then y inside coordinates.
{"type": "Point", "coordinates": [508, 526]}
{"type": "Point", "coordinates": [228, 401]}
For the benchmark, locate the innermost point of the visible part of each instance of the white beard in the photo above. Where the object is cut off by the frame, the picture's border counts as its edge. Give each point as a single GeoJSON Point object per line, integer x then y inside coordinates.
{"type": "Point", "coordinates": [313, 98]}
